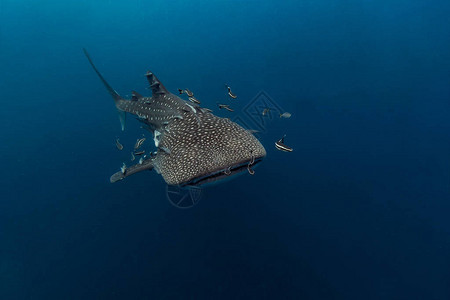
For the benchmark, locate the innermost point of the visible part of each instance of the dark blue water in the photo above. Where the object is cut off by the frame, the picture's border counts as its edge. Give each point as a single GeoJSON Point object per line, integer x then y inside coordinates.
{"type": "Point", "coordinates": [359, 210]}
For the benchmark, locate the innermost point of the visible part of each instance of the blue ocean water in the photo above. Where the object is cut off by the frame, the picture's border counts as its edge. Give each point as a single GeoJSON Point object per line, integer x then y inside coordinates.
{"type": "Point", "coordinates": [359, 209]}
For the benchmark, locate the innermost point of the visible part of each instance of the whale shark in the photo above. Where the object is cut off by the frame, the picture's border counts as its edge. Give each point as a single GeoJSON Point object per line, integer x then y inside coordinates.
{"type": "Point", "coordinates": [193, 146]}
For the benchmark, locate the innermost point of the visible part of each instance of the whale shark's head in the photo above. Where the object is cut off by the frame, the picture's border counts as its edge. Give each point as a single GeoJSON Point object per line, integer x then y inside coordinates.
{"type": "Point", "coordinates": [212, 149]}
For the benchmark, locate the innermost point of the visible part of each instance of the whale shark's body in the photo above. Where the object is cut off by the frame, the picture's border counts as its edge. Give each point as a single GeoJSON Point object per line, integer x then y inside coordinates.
{"type": "Point", "coordinates": [194, 146]}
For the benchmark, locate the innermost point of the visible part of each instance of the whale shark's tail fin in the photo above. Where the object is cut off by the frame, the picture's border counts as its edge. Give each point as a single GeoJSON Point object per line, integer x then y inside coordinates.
{"type": "Point", "coordinates": [114, 94]}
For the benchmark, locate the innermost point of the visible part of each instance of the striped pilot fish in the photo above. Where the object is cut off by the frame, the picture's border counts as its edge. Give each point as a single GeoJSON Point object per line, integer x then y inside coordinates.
{"type": "Point", "coordinates": [281, 146]}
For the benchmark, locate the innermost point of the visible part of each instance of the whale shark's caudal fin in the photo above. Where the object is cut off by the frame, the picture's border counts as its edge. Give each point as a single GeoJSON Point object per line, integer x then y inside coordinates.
{"type": "Point", "coordinates": [114, 94]}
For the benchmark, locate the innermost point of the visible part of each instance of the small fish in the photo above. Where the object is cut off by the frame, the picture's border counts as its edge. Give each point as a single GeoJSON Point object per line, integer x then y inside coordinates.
{"type": "Point", "coordinates": [206, 109]}
{"type": "Point", "coordinates": [132, 156]}
{"type": "Point", "coordinates": [139, 152]}
{"type": "Point", "coordinates": [118, 144]}
{"type": "Point", "coordinates": [141, 160]}
{"type": "Point", "coordinates": [249, 166]}
{"type": "Point", "coordinates": [192, 99]}
{"type": "Point", "coordinates": [181, 91]}
{"type": "Point", "coordinates": [250, 170]}
{"type": "Point", "coordinates": [230, 93]}
{"type": "Point", "coordinates": [281, 146]}
{"type": "Point", "coordinates": [123, 169]}
{"type": "Point", "coordinates": [139, 143]}
{"type": "Point", "coordinates": [225, 106]}
{"type": "Point", "coordinates": [265, 111]}
{"type": "Point", "coordinates": [285, 115]}
{"type": "Point", "coordinates": [189, 93]}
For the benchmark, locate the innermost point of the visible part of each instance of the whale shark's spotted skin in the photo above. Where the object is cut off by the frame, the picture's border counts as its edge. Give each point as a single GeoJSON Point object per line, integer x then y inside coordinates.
{"type": "Point", "coordinates": [194, 145]}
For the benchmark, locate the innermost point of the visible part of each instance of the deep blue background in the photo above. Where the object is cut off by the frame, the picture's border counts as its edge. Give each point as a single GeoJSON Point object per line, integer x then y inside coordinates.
{"type": "Point", "coordinates": [359, 210]}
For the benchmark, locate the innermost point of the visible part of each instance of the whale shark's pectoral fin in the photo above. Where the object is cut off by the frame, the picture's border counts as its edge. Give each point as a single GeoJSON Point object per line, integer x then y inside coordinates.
{"type": "Point", "coordinates": [146, 165]}
{"type": "Point", "coordinates": [155, 85]}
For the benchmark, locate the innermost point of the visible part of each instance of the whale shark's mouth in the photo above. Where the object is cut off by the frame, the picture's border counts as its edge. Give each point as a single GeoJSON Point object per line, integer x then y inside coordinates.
{"type": "Point", "coordinates": [221, 174]}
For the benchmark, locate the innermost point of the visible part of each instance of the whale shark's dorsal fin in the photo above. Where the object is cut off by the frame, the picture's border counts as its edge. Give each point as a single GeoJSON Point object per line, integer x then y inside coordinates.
{"type": "Point", "coordinates": [155, 85]}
